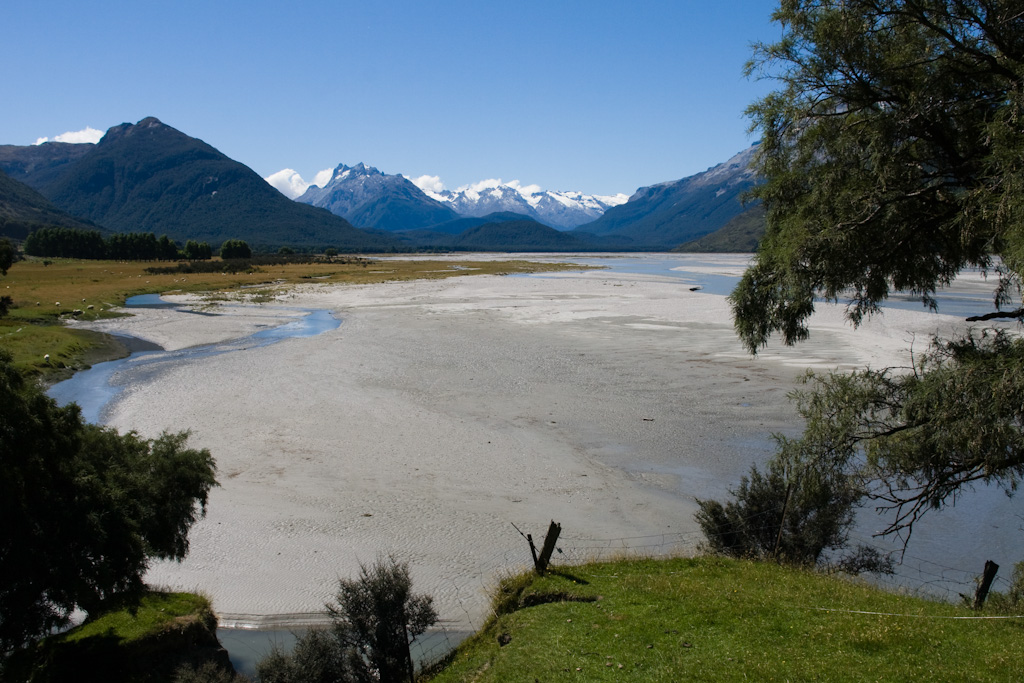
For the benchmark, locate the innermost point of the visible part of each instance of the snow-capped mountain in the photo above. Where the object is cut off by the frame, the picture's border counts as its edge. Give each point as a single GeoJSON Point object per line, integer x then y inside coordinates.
{"type": "Point", "coordinates": [364, 196]}
{"type": "Point", "coordinates": [562, 210]}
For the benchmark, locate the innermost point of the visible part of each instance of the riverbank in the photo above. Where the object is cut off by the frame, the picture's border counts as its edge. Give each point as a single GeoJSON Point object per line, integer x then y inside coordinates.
{"type": "Point", "coordinates": [442, 412]}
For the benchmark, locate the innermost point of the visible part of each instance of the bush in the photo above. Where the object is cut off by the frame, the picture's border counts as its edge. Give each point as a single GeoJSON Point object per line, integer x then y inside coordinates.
{"type": "Point", "coordinates": [794, 511]}
{"type": "Point", "coordinates": [376, 617]}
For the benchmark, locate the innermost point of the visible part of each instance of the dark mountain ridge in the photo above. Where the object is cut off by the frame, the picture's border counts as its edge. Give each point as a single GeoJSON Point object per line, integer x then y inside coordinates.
{"type": "Point", "coordinates": [39, 165]}
{"type": "Point", "coordinates": [150, 177]}
{"type": "Point", "coordinates": [22, 210]}
{"type": "Point", "coordinates": [665, 215]}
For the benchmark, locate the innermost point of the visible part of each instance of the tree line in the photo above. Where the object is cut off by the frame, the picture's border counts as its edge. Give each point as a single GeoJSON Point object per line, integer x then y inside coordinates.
{"type": "Point", "coordinates": [120, 246]}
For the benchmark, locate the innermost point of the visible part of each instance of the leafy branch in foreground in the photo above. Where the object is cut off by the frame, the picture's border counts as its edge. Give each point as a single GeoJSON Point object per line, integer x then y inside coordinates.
{"type": "Point", "coordinates": [917, 439]}
{"type": "Point", "coordinates": [892, 156]}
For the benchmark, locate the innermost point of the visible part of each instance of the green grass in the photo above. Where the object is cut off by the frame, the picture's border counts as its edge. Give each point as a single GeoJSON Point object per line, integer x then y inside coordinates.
{"type": "Point", "coordinates": [142, 643]}
{"type": "Point", "coordinates": [155, 612]}
{"type": "Point", "coordinates": [713, 619]}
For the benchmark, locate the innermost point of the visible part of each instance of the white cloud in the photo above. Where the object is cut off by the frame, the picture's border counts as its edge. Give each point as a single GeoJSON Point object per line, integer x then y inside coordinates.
{"type": "Point", "coordinates": [289, 182]}
{"type": "Point", "coordinates": [428, 183]}
{"type": "Point", "coordinates": [323, 177]}
{"type": "Point", "coordinates": [87, 134]}
{"type": "Point", "coordinates": [488, 184]}
{"type": "Point", "coordinates": [525, 190]}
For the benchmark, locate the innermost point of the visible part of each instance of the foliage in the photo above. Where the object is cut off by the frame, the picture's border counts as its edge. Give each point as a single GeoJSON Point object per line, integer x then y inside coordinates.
{"type": "Point", "coordinates": [85, 508]}
{"type": "Point", "coordinates": [91, 244]}
{"type": "Point", "coordinates": [1013, 599]}
{"type": "Point", "coordinates": [207, 672]}
{"type": "Point", "coordinates": [892, 157]}
{"type": "Point", "coordinates": [197, 251]}
{"type": "Point", "coordinates": [8, 255]}
{"type": "Point", "coordinates": [234, 249]}
{"type": "Point", "coordinates": [376, 616]}
{"type": "Point", "coordinates": [7, 258]}
{"type": "Point", "coordinates": [918, 438]}
{"type": "Point", "coordinates": [719, 619]}
{"type": "Point", "coordinates": [794, 511]}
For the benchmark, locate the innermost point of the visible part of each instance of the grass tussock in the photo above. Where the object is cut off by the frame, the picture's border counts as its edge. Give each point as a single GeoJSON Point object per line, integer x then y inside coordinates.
{"type": "Point", "coordinates": [714, 619]}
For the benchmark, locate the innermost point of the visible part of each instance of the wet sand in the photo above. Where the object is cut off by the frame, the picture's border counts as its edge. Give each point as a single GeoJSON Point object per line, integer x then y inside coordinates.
{"type": "Point", "coordinates": [443, 412]}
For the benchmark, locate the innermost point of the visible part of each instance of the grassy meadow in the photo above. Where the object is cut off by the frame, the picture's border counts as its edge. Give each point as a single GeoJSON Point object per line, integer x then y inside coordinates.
{"type": "Point", "coordinates": [715, 619]}
{"type": "Point", "coordinates": [48, 292]}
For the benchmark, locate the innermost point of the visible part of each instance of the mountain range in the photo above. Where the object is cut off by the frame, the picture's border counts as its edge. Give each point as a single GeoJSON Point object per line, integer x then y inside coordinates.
{"type": "Point", "coordinates": [658, 217]}
{"type": "Point", "coordinates": [364, 196]}
{"type": "Point", "coordinates": [666, 215]}
{"type": "Point", "coordinates": [150, 177]}
{"type": "Point", "coordinates": [561, 210]}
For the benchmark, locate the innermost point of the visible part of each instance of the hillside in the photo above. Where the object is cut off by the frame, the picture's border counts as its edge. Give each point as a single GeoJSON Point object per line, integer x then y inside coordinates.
{"type": "Point", "coordinates": [22, 209]}
{"type": "Point", "coordinates": [713, 619]}
{"type": "Point", "coordinates": [516, 235]}
{"type": "Point", "coordinates": [740, 235]}
{"type": "Point", "coordinates": [666, 215]}
{"type": "Point", "coordinates": [149, 177]}
{"type": "Point", "coordinates": [39, 165]}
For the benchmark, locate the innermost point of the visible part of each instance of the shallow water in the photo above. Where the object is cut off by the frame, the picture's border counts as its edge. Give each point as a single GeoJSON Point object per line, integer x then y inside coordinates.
{"type": "Point", "coordinates": [94, 389]}
{"type": "Point", "coordinates": [246, 647]}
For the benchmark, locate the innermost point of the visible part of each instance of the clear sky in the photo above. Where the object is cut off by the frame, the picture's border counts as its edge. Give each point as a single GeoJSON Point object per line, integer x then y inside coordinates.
{"type": "Point", "coordinates": [601, 97]}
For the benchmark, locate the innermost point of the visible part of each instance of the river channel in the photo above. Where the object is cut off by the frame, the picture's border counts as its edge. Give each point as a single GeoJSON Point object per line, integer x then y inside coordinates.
{"type": "Point", "coordinates": [946, 546]}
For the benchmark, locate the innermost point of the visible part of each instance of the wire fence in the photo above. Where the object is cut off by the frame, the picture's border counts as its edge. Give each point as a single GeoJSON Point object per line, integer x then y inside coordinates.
{"type": "Point", "coordinates": [913, 574]}
{"type": "Point", "coordinates": [467, 596]}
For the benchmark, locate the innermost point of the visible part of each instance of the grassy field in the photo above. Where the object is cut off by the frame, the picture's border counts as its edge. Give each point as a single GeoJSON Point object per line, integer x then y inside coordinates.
{"type": "Point", "coordinates": [713, 619]}
{"type": "Point", "coordinates": [48, 292]}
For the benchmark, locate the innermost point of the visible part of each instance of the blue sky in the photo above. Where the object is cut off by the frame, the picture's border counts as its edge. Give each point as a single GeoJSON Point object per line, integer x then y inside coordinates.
{"type": "Point", "coordinates": [601, 97]}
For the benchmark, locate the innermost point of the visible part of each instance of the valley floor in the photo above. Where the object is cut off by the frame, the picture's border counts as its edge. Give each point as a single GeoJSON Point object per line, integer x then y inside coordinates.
{"type": "Point", "coordinates": [442, 412]}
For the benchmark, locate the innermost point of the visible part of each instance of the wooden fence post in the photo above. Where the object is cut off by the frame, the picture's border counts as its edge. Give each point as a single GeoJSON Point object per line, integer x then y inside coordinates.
{"type": "Point", "coordinates": [541, 563]}
{"type": "Point", "coordinates": [986, 582]}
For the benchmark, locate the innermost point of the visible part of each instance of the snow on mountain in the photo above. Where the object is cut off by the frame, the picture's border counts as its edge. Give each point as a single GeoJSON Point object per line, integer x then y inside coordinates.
{"type": "Point", "coordinates": [562, 210]}
{"type": "Point", "coordinates": [366, 197]}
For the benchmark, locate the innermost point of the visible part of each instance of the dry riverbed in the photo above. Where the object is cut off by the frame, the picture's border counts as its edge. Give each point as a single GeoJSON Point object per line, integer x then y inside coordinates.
{"type": "Point", "coordinates": [441, 412]}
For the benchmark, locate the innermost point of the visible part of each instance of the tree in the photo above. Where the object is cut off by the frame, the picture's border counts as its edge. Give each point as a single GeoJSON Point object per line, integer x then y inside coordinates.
{"type": "Point", "coordinates": [232, 249]}
{"type": "Point", "coordinates": [376, 616]}
{"type": "Point", "coordinates": [85, 509]}
{"type": "Point", "coordinates": [197, 251]}
{"type": "Point", "coordinates": [892, 157]}
{"type": "Point", "coordinates": [7, 257]}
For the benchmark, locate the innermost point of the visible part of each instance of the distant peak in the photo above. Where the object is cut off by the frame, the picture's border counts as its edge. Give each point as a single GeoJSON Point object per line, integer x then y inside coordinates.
{"type": "Point", "coordinates": [360, 169]}
{"type": "Point", "coordinates": [148, 123]}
